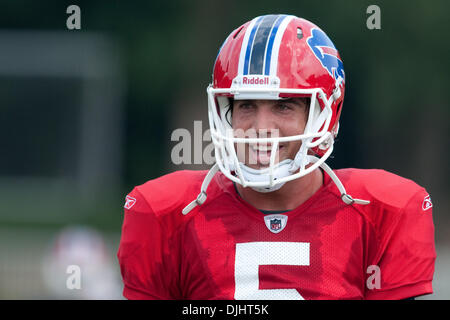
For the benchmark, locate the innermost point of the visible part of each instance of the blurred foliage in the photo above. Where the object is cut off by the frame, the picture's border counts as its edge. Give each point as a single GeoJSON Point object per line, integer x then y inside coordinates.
{"type": "Point", "coordinates": [397, 77]}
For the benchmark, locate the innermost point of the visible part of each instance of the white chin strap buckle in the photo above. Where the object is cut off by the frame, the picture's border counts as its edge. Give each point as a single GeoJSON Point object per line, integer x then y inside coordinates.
{"type": "Point", "coordinates": [201, 198]}
{"type": "Point", "coordinates": [347, 199]}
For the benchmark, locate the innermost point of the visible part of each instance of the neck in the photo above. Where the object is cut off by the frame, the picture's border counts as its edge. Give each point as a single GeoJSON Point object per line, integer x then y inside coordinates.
{"type": "Point", "coordinates": [288, 197]}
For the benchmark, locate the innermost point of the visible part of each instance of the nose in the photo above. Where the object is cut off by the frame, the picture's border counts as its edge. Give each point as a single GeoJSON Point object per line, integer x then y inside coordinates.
{"type": "Point", "coordinates": [264, 122]}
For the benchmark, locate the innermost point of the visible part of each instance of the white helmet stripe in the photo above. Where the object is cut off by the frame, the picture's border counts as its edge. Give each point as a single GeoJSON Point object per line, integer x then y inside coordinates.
{"type": "Point", "coordinates": [248, 37]}
{"type": "Point", "coordinates": [276, 45]}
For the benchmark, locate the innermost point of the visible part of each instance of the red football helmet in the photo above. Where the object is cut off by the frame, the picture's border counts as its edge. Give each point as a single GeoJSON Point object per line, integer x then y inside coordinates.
{"type": "Point", "coordinates": [276, 57]}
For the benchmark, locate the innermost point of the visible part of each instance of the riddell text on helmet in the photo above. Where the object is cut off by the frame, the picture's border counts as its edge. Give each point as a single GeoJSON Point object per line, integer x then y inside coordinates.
{"type": "Point", "coordinates": [255, 80]}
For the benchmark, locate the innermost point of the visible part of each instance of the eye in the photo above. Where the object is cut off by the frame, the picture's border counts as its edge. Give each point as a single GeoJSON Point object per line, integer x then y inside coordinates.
{"type": "Point", "coordinates": [283, 107]}
{"type": "Point", "coordinates": [245, 106]}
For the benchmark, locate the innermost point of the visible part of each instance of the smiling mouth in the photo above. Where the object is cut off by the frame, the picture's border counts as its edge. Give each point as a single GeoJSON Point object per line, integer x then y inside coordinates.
{"type": "Point", "coordinates": [260, 154]}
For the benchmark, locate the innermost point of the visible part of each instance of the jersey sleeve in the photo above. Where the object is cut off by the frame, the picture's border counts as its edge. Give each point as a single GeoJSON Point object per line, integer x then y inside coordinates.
{"type": "Point", "coordinates": [406, 252]}
{"type": "Point", "coordinates": [145, 253]}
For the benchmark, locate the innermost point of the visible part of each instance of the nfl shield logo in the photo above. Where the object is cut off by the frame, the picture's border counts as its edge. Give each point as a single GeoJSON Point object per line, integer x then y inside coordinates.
{"type": "Point", "coordinates": [275, 222]}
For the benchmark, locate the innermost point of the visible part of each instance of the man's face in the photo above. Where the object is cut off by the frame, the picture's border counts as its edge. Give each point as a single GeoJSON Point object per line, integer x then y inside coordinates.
{"type": "Point", "coordinates": [265, 119]}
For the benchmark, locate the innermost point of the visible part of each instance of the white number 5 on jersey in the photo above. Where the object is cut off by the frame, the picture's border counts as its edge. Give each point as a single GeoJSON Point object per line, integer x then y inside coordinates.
{"type": "Point", "coordinates": [250, 255]}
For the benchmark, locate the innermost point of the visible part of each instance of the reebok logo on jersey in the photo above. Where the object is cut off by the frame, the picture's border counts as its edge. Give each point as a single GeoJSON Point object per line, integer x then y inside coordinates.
{"type": "Point", "coordinates": [129, 202]}
{"type": "Point", "coordinates": [427, 204]}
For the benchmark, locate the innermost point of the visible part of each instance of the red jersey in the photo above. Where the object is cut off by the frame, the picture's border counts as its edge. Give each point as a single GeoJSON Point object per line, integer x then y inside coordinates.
{"type": "Point", "coordinates": [323, 249]}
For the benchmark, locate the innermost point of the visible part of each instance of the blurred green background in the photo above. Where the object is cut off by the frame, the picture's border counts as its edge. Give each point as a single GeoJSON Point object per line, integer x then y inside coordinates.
{"type": "Point", "coordinates": [87, 114]}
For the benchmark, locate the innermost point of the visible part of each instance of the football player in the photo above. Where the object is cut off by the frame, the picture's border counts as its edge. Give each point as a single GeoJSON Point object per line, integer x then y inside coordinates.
{"type": "Point", "coordinates": [271, 220]}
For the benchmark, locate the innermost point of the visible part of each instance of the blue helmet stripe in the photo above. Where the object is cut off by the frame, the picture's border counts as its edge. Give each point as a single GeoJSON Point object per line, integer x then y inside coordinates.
{"type": "Point", "coordinates": [259, 44]}
{"type": "Point", "coordinates": [270, 44]}
{"type": "Point", "coordinates": [250, 44]}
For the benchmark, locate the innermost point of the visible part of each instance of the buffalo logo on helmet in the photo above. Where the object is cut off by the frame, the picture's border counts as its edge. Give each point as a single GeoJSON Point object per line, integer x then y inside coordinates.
{"type": "Point", "coordinates": [325, 51]}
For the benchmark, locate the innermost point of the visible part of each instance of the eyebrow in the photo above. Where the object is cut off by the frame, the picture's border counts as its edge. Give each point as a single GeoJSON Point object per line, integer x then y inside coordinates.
{"type": "Point", "coordinates": [288, 100]}
{"type": "Point", "coordinates": [298, 101]}
{"type": "Point", "coordinates": [279, 100]}
{"type": "Point", "coordinates": [294, 100]}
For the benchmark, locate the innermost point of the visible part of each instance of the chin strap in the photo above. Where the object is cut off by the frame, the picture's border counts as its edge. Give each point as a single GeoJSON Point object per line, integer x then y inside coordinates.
{"type": "Point", "coordinates": [201, 198]}
{"type": "Point", "coordinates": [344, 196]}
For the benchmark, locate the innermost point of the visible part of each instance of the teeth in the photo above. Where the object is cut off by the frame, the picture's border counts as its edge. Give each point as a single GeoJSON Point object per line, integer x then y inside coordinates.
{"type": "Point", "coordinates": [261, 148]}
